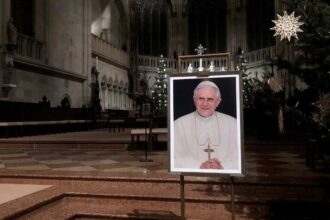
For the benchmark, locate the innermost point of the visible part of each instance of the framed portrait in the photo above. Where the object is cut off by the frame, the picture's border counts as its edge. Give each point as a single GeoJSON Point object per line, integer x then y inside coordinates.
{"type": "Point", "coordinates": [205, 123]}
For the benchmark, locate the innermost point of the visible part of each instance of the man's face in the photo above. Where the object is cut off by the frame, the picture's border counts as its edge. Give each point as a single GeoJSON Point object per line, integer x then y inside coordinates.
{"type": "Point", "coordinates": [206, 101]}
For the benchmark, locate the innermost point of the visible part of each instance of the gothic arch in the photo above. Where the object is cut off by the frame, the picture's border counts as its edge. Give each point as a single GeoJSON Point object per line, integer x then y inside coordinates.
{"type": "Point", "coordinates": [110, 84]}
{"type": "Point", "coordinates": [121, 86]}
{"type": "Point", "coordinates": [106, 18]}
{"type": "Point", "coordinates": [66, 101]}
{"type": "Point", "coordinates": [116, 85]}
{"type": "Point", "coordinates": [104, 83]}
{"type": "Point", "coordinates": [117, 24]}
{"type": "Point", "coordinates": [110, 22]}
{"type": "Point", "coordinates": [126, 87]}
{"type": "Point", "coordinates": [111, 95]}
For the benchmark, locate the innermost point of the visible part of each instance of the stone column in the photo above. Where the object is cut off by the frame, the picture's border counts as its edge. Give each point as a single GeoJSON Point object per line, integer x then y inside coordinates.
{"type": "Point", "coordinates": [177, 28]}
{"type": "Point", "coordinates": [87, 51]}
{"type": "Point", "coordinates": [241, 25]}
{"type": "Point", "coordinates": [4, 17]}
{"type": "Point", "coordinates": [46, 35]}
{"type": "Point", "coordinates": [231, 29]}
{"type": "Point", "coordinates": [8, 44]}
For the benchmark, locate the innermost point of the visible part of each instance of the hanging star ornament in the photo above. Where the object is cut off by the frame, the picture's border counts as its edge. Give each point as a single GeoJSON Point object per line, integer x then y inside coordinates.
{"type": "Point", "coordinates": [287, 26]}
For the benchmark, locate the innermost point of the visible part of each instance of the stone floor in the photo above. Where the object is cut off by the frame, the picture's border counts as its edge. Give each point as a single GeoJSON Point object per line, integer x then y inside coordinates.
{"type": "Point", "coordinates": [71, 167]}
{"type": "Point", "coordinates": [270, 159]}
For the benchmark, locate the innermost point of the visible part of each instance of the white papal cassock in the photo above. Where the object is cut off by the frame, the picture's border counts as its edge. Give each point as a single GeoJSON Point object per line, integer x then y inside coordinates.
{"type": "Point", "coordinates": [193, 133]}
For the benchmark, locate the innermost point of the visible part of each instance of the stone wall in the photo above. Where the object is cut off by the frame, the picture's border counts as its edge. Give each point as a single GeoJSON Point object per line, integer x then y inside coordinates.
{"type": "Point", "coordinates": [32, 87]}
{"type": "Point", "coordinates": [65, 28]}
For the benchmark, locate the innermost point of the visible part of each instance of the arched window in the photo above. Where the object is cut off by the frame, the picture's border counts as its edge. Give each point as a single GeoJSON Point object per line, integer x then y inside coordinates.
{"type": "Point", "coordinates": [153, 30]}
{"type": "Point", "coordinates": [106, 24]}
{"type": "Point", "coordinates": [207, 25]}
{"type": "Point", "coordinates": [259, 14]}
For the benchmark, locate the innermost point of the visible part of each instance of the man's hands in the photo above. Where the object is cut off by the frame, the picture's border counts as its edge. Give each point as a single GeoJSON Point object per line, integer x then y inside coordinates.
{"type": "Point", "coordinates": [213, 163]}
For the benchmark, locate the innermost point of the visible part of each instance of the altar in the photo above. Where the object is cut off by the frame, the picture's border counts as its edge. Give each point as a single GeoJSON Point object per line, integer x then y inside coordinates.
{"type": "Point", "coordinates": [217, 62]}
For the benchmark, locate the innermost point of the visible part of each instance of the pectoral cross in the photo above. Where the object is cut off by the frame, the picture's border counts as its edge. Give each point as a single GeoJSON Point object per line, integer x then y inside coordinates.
{"type": "Point", "coordinates": [208, 151]}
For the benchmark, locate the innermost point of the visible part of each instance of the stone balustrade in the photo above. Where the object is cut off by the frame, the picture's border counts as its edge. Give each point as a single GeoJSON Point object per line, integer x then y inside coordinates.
{"type": "Point", "coordinates": [221, 62]}
{"type": "Point", "coordinates": [152, 62]}
{"type": "Point", "coordinates": [30, 48]}
{"type": "Point", "coordinates": [109, 52]}
{"type": "Point", "coordinates": [261, 55]}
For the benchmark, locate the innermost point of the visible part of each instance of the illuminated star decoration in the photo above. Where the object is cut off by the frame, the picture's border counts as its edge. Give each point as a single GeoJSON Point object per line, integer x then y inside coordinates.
{"type": "Point", "coordinates": [287, 26]}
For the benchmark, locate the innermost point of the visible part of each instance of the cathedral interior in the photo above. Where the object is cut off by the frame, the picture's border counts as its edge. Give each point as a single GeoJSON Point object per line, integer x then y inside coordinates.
{"type": "Point", "coordinates": [84, 83]}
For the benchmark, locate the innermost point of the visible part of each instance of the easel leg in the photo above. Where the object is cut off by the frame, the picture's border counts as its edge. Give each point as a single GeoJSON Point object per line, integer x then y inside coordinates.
{"type": "Point", "coordinates": [182, 197]}
{"type": "Point", "coordinates": [232, 198]}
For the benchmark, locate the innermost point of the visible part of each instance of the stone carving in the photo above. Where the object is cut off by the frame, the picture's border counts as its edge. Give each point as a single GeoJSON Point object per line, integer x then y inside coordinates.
{"type": "Point", "coordinates": [11, 33]}
{"type": "Point", "coordinates": [212, 67]}
{"type": "Point", "coordinates": [190, 68]}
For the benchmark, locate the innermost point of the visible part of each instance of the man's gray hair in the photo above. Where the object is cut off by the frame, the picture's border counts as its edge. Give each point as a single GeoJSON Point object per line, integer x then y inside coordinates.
{"type": "Point", "coordinates": [207, 84]}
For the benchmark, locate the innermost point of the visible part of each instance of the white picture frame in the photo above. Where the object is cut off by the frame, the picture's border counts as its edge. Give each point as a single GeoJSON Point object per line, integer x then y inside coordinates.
{"type": "Point", "coordinates": [180, 99]}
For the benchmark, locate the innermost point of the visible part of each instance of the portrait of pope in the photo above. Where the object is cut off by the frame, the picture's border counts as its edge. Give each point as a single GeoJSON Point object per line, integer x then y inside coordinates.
{"type": "Point", "coordinates": [206, 139]}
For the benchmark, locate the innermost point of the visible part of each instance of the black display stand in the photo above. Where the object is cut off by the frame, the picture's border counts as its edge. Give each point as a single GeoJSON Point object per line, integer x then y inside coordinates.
{"type": "Point", "coordinates": [148, 144]}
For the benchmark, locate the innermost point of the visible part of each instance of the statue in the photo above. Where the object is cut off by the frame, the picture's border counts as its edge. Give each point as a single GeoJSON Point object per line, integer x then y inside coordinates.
{"type": "Point", "coordinates": [190, 68]}
{"type": "Point", "coordinates": [212, 67]}
{"type": "Point", "coordinates": [95, 96]}
{"type": "Point", "coordinates": [11, 33]}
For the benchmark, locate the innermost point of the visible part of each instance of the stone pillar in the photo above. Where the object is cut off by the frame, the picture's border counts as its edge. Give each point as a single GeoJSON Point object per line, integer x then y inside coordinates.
{"type": "Point", "coordinates": [46, 34]}
{"type": "Point", "coordinates": [134, 74]}
{"type": "Point", "coordinates": [8, 40]}
{"type": "Point", "coordinates": [241, 25]}
{"type": "Point", "coordinates": [236, 28]}
{"type": "Point", "coordinates": [87, 50]}
{"type": "Point", "coordinates": [4, 17]}
{"type": "Point", "coordinates": [231, 29]}
{"type": "Point", "coordinates": [177, 28]}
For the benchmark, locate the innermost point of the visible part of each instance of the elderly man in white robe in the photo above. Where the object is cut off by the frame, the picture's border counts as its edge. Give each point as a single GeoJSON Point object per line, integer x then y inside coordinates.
{"type": "Point", "coordinates": [205, 138]}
